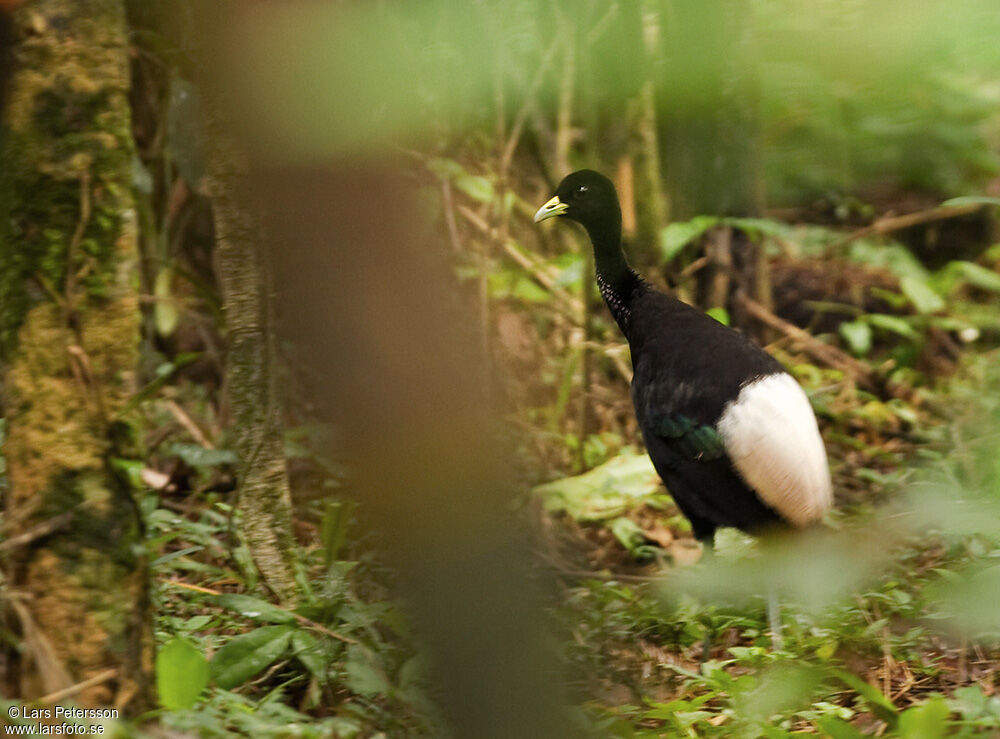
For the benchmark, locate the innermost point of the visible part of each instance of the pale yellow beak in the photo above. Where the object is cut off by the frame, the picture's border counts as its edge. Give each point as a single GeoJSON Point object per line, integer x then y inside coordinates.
{"type": "Point", "coordinates": [555, 207]}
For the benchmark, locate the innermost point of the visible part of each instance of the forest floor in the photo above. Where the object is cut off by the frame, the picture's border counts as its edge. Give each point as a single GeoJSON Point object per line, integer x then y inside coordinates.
{"type": "Point", "coordinates": [889, 620]}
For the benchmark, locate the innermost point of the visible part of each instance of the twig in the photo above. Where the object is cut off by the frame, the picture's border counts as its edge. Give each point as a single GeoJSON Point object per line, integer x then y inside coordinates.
{"type": "Point", "coordinates": [190, 426]}
{"type": "Point", "coordinates": [888, 224]}
{"type": "Point", "coordinates": [571, 305]}
{"type": "Point", "coordinates": [829, 355]}
{"type": "Point", "coordinates": [101, 677]}
{"type": "Point", "coordinates": [39, 531]}
{"type": "Point", "coordinates": [696, 265]}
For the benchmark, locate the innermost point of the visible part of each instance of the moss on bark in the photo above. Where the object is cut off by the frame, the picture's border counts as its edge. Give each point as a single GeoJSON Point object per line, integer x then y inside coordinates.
{"type": "Point", "coordinates": [69, 336]}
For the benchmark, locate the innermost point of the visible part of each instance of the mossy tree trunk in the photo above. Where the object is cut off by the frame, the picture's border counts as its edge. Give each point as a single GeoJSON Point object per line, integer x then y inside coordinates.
{"type": "Point", "coordinates": [69, 335]}
{"type": "Point", "coordinates": [264, 501]}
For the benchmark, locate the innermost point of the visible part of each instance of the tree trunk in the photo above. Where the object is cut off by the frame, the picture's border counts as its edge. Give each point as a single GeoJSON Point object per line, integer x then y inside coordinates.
{"type": "Point", "coordinates": [264, 502]}
{"type": "Point", "coordinates": [707, 112]}
{"type": "Point", "coordinates": [69, 336]}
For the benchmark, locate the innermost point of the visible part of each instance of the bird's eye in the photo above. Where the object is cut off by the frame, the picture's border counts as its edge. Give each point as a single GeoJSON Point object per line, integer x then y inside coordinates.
{"type": "Point", "coordinates": [582, 189]}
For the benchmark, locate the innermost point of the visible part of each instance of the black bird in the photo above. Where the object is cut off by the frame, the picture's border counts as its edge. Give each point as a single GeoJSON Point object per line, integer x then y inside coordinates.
{"type": "Point", "coordinates": [731, 433]}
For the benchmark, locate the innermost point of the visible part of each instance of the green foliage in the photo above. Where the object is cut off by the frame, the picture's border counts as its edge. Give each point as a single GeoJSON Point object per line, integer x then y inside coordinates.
{"type": "Point", "coordinates": [246, 655]}
{"type": "Point", "coordinates": [182, 674]}
{"type": "Point", "coordinates": [605, 491]}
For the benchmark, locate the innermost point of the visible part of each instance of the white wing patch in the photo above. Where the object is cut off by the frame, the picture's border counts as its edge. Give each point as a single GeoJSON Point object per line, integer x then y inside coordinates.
{"type": "Point", "coordinates": [771, 435]}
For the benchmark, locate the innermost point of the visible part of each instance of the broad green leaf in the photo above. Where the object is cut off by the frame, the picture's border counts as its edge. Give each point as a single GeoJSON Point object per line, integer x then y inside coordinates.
{"type": "Point", "coordinates": [923, 297]}
{"type": "Point", "coordinates": [254, 608]}
{"type": "Point", "coordinates": [676, 236]}
{"type": "Point", "coordinates": [247, 654]}
{"type": "Point", "coordinates": [182, 674]}
{"type": "Point", "coordinates": [858, 335]}
{"type": "Point", "coordinates": [311, 653]}
{"type": "Point", "coordinates": [927, 721]}
{"type": "Point", "coordinates": [603, 492]}
{"type": "Point", "coordinates": [362, 677]}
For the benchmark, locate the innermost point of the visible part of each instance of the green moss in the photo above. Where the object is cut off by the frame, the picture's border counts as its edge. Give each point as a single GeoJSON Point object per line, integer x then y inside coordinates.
{"type": "Point", "coordinates": [61, 109]}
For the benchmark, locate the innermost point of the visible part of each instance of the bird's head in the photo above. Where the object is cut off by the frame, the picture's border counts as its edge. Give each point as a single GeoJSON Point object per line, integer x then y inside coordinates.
{"type": "Point", "coordinates": [587, 197]}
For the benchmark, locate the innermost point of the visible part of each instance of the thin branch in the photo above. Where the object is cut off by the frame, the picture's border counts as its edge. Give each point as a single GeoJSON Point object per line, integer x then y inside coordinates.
{"type": "Point", "coordinates": [101, 677]}
{"type": "Point", "coordinates": [189, 425]}
{"type": "Point", "coordinates": [39, 531]}
{"type": "Point", "coordinates": [829, 355]}
{"type": "Point", "coordinates": [889, 224]}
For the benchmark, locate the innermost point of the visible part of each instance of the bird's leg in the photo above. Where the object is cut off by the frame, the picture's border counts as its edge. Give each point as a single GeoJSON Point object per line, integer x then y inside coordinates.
{"type": "Point", "coordinates": [707, 557]}
{"type": "Point", "coordinates": [774, 618]}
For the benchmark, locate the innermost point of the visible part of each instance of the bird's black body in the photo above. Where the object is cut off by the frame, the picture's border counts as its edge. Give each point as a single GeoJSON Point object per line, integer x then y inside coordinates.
{"type": "Point", "coordinates": [687, 368]}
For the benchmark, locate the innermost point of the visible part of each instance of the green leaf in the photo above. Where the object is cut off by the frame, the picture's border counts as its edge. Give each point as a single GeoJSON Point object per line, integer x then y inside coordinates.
{"type": "Point", "coordinates": [858, 335]}
{"type": "Point", "coordinates": [310, 653]}
{"type": "Point", "coordinates": [199, 456]}
{"type": "Point", "coordinates": [247, 654]}
{"type": "Point", "coordinates": [970, 200]}
{"type": "Point", "coordinates": [254, 608]}
{"type": "Point", "coordinates": [628, 533]}
{"type": "Point", "coordinates": [757, 227]}
{"type": "Point", "coordinates": [603, 492]}
{"type": "Point", "coordinates": [182, 674]}
{"type": "Point", "coordinates": [166, 312]}
{"type": "Point", "coordinates": [476, 187]}
{"type": "Point", "coordinates": [333, 528]}
{"type": "Point", "coordinates": [362, 677]}
{"type": "Point", "coordinates": [445, 168]}
{"type": "Point", "coordinates": [881, 706]}
{"type": "Point", "coordinates": [837, 728]}
{"type": "Point", "coordinates": [720, 314]}
{"type": "Point", "coordinates": [977, 276]}
{"type": "Point", "coordinates": [924, 299]}
{"type": "Point", "coordinates": [894, 324]}
{"type": "Point", "coordinates": [676, 236]}
{"type": "Point", "coordinates": [926, 721]}
{"type": "Point", "coordinates": [529, 291]}
{"type": "Point", "coordinates": [572, 274]}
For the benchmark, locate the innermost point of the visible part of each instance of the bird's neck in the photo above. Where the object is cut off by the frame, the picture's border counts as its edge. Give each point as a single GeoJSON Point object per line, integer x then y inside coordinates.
{"type": "Point", "coordinates": [615, 278]}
